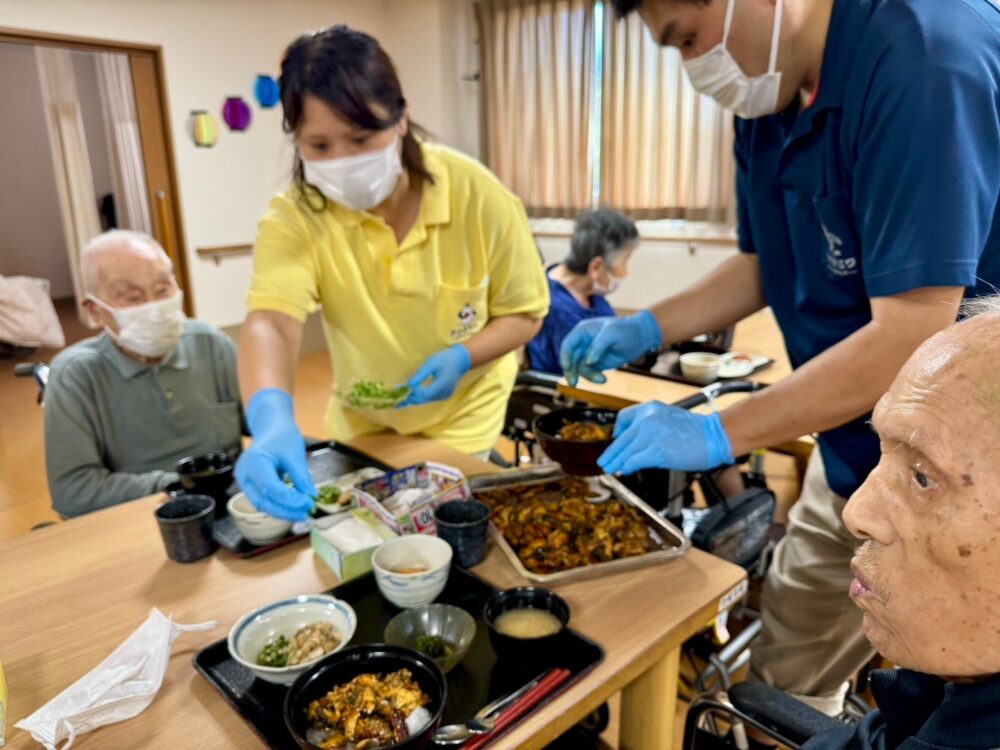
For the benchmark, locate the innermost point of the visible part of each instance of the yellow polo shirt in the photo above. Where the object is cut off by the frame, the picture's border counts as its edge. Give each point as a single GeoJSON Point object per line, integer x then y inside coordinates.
{"type": "Point", "coordinates": [469, 257]}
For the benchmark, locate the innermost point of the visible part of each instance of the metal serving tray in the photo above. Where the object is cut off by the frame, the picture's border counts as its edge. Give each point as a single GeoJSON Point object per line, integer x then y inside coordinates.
{"type": "Point", "coordinates": [672, 541]}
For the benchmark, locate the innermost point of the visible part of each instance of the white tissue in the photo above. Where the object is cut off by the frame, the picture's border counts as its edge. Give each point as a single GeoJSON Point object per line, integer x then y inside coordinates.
{"type": "Point", "coordinates": [400, 502]}
{"type": "Point", "coordinates": [352, 535]}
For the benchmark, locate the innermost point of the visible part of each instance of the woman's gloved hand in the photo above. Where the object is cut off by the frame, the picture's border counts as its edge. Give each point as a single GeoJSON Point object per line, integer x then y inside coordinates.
{"type": "Point", "coordinates": [656, 436]}
{"type": "Point", "coordinates": [443, 371]}
{"type": "Point", "coordinates": [606, 343]}
{"type": "Point", "coordinates": [277, 449]}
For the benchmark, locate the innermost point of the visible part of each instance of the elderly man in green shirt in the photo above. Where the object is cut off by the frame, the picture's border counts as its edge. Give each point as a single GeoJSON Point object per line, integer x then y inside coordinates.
{"type": "Point", "coordinates": [122, 408]}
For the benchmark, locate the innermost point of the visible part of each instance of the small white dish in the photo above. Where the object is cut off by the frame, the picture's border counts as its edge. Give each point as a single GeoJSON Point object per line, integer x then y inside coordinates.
{"type": "Point", "coordinates": [256, 527]}
{"type": "Point", "coordinates": [345, 484]}
{"type": "Point", "coordinates": [263, 625]}
{"type": "Point", "coordinates": [701, 367]}
{"type": "Point", "coordinates": [428, 556]}
{"type": "Point", "coordinates": [736, 365]}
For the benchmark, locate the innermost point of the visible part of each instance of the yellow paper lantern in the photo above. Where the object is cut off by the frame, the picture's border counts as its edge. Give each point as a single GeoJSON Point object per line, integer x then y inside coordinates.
{"type": "Point", "coordinates": [202, 128]}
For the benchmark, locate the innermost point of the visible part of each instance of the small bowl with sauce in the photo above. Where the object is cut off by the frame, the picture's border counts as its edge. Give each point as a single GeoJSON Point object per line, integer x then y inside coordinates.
{"type": "Point", "coordinates": [412, 570]}
{"type": "Point", "coordinates": [525, 621]}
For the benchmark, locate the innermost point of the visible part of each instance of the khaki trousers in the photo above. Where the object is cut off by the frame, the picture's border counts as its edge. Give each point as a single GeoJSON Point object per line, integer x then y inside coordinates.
{"type": "Point", "coordinates": [812, 641]}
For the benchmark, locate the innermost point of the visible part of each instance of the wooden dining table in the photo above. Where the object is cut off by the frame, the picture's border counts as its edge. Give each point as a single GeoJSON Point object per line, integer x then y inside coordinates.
{"type": "Point", "coordinates": [757, 334]}
{"type": "Point", "coordinates": [69, 594]}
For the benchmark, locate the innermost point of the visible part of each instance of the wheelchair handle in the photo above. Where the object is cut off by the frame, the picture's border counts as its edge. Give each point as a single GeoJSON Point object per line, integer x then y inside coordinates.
{"type": "Point", "coordinates": [711, 392]}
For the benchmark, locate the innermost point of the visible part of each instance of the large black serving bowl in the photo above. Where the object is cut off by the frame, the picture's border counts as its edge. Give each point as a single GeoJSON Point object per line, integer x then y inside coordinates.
{"type": "Point", "coordinates": [344, 666]}
{"type": "Point", "coordinates": [576, 457]}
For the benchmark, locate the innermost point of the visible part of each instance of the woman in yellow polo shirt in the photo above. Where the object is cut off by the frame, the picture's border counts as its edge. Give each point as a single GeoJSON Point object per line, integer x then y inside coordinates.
{"type": "Point", "coordinates": [422, 262]}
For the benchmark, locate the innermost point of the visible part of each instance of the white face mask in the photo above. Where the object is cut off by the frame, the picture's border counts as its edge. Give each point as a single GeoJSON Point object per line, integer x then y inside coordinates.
{"type": "Point", "coordinates": [614, 283]}
{"type": "Point", "coordinates": [360, 182]}
{"type": "Point", "coordinates": [718, 75]}
{"type": "Point", "coordinates": [150, 330]}
{"type": "Point", "coordinates": [118, 688]}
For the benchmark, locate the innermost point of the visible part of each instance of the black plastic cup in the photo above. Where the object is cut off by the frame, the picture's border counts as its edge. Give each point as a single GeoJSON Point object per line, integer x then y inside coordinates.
{"type": "Point", "coordinates": [462, 523]}
{"type": "Point", "coordinates": [186, 524]}
{"type": "Point", "coordinates": [210, 474]}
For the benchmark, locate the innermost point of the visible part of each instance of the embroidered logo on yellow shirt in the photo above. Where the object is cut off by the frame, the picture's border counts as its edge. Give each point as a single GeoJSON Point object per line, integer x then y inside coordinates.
{"type": "Point", "coordinates": [467, 318]}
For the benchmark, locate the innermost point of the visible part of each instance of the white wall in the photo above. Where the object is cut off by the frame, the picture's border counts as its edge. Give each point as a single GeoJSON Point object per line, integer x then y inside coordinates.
{"type": "Point", "coordinates": [31, 236]}
{"type": "Point", "coordinates": [432, 43]}
{"type": "Point", "coordinates": [211, 50]}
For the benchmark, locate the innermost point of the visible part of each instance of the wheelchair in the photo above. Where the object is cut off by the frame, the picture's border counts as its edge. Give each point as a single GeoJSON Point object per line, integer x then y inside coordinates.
{"type": "Point", "coordinates": [717, 720]}
{"type": "Point", "coordinates": [37, 370]}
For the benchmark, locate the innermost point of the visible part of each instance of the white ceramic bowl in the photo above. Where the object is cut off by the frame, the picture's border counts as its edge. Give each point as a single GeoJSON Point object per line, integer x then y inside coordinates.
{"type": "Point", "coordinates": [256, 527]}
{"type": "Point", "coordinates": [409, 590]}
{"type": "Point", "coordinates": [702, 367]}
{"type": "Point", "coordinates": [256, 629]}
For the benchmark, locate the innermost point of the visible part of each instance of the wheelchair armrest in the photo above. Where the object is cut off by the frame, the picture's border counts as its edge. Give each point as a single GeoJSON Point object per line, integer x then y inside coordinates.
{"type": "Point", "coordinates": [777, 710]}
{"type": "Point", "coordinates": [537, 378]}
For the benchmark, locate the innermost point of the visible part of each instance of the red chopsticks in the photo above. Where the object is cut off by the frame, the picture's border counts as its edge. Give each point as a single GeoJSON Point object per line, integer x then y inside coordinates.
{"type": "Point", "coordinates": [552, 680]}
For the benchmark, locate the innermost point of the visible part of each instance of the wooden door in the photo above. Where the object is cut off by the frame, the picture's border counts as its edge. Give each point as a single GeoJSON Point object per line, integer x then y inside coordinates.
{"type": "Point", "coordinates": [157, 148]}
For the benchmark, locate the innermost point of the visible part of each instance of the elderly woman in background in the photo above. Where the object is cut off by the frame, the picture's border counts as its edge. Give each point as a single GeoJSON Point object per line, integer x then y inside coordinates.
{"type": "Point", "coordinates": [600, 250]}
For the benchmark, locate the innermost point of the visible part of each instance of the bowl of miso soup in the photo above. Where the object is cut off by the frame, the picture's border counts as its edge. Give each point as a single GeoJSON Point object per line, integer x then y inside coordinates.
{"type": "Point", "coordinates": [525, 621]}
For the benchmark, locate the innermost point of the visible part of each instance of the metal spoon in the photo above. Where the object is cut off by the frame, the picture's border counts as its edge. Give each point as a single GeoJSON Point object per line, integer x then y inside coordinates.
{"type": "Point", "coordinates": [455, 734]}
{"type": "Point", "coordinates": [485, 719]}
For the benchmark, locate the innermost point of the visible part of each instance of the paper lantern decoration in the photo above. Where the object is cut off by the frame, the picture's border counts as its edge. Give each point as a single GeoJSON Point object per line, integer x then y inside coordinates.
{"type": "Point", "coordinates": [236, 113]}
{"type": "Point", "coordinates": [202, 128]}
{"type": "Point", "coordinates": [267, 91]}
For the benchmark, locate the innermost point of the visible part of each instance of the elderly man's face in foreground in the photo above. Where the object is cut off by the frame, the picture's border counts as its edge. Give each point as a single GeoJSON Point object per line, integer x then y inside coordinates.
{"type": "Point", "coordinates": [928, 576]}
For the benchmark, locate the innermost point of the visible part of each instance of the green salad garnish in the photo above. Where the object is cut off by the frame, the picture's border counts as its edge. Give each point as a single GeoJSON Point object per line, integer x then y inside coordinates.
{"type": "Point", "coordinates": [433, 646]}
{"type": "Point", "coordinates": [328, 495]}
{"type": "Point", "coordinates": [275, 653]}
{"type": "Point", "coordinates": [372, 394]}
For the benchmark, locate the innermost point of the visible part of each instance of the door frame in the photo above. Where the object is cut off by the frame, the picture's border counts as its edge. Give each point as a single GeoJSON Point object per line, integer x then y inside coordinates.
{"type": "Point", "coordinates": [154, 110]}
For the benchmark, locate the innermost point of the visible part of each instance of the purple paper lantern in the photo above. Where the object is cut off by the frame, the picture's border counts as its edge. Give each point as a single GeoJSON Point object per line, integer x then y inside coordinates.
{"type": "Point", "coordinates": [236, 113]}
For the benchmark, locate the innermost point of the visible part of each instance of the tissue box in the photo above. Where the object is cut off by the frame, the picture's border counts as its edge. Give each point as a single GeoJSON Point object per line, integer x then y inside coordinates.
{"type": "Point", "coordinates": [444, 483]}
{"type": "Point", "coordinates": [347, 563]}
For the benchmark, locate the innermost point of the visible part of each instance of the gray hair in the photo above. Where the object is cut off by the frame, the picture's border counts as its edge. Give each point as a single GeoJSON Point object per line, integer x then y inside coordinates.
{"type": "Point", "coordinates": [90, 257]}
{"type": "Point", "coordinates": [988, 304]}
{"type": "Point", "coordinates": [602, 233]}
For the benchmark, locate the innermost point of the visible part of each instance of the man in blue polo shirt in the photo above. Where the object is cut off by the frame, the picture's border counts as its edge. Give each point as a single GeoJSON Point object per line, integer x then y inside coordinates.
{"type": "Point", "coordinates": [868, 152]}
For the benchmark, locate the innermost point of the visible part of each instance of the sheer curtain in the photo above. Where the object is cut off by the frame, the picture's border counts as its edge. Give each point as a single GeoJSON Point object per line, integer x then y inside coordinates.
{"type": "Point", "coordinates": [581, 111]}
{"type": "Point", "coordinates": [114, 79]}
{"type": "Point", "coordinates": [666, 151]}
{"type": "Point", "coordinates": [74, 182]}
{"type": "Point", "coordinates": [538, 86]}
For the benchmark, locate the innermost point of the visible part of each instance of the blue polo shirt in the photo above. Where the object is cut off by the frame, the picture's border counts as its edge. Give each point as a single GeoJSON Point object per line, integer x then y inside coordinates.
{"type": "Point", "coordinates": [888, 182]}
{"type": "Point", "coordinates": [564, 313]}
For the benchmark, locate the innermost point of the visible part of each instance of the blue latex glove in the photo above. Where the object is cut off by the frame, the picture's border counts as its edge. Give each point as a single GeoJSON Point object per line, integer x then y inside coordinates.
{"type": "Point", "coordinates": [444, 370]}
{"type": "Point", "coordinates": [656, 436]}
{"type": "Point", "coordinates": [278, 449]}
{"type": "Point", "coordinates": [606, 343]}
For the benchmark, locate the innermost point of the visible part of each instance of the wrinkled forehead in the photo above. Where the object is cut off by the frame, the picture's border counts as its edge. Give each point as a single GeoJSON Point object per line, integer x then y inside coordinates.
{"type": "Point", "coordinates": [133, 264]}
{"type": "Point", "coordinates": [948, 392]}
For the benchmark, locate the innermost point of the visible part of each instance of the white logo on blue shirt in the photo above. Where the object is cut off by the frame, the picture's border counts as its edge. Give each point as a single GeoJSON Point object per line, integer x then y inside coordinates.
{"type": "Point", "coordinates": [836, 263]}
